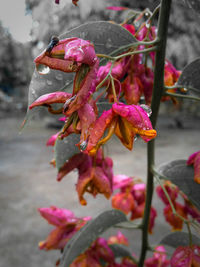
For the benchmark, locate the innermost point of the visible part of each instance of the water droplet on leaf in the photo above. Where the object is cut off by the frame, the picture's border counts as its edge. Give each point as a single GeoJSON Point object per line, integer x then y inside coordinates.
{"type": "Point", "coordinates": [49, 82]}
{"type": "Point", "coordinates": [42, 69]}
{"type": "Point", "coordinates": [59, 77]}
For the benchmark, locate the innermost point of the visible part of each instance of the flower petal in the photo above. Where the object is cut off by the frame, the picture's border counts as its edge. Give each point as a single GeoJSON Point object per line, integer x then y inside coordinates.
{"type": "Point", "coordinates": [47, 99]}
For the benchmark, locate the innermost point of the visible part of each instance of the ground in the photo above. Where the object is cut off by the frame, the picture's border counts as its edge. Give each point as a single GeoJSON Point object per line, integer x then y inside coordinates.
{"type": "Point", "coordinates": [28, 182]}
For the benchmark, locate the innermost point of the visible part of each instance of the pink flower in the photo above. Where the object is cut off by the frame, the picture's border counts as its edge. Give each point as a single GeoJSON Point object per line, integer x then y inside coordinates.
{"type": "Point", "coordinates": [118, 239]}
{"type": "Point", "coordinates": [159, 258]}
{"type": "Point", "coordinates": [80, 51]}
{"type": "Point", "coordinates": [194, 160]}
{"type": "Point", "coordinates": [186, 257]}
{"type": "Point", "coordinates": [125, 121]}
{"type": "Point", "coordinates": [66, 226]}
{"type": "Point", "coordinates": [95, 174]}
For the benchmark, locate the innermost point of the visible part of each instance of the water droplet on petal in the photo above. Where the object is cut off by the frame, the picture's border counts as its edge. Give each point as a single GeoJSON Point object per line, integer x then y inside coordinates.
{"type": "Point", "coordinates": [42, 69]}
{"type": "Point", "coordinates": [135, 138]}
{"type": "Point", "coordinates": [147, 109]}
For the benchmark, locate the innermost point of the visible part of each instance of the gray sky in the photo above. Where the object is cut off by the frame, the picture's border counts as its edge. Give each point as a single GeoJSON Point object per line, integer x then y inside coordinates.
{"type": "Point", "coordinates": [12, 15]}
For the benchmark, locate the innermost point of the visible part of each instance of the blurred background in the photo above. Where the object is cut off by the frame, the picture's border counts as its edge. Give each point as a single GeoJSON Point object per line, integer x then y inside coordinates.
{"type": "Point", "coordinates": [26, 179]}
{"type": "Point", "coordinates": [26, 29]}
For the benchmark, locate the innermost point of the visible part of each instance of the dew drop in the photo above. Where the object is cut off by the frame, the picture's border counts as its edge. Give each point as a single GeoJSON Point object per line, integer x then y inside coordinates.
{"type": "Point", "coordinates": [42, 69]}
{"type": "Point", "coordinates": [108, 43]}
{"type": "Point", "coordinates": [49, 82]}
{"type": "Point", "coordinates": [59, 77]}
{"type": "Point", "coordinates": [136, 24]}
{"type": "Point", "coordinates": [147, 109]}
{"type": "Point", "coordinates": [83, 146]}
{"type": "Point", "coordinates": [135, 138]}
{"type": "Point", "coordinates": [147, 25]}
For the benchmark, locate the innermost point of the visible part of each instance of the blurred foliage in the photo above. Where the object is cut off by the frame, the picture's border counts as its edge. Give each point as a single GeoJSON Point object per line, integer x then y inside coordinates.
{"type": "Point", "coordinates": [15, 67]}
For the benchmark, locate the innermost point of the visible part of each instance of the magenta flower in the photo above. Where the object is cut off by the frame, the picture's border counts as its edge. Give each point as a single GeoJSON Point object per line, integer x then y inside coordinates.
{"type": "Point", "coordinates": [194, 160]}
{"type": "Point", "coordinates": [125, 121]}
{"type": "Point", "coordinates": [51, 141]}
{"type": "Point", "coordinates": [80, 51]}
{"type": "Point", "coordinates": [159, 258]}
{"type": "Point", "coordinates": [186, 257]}
{"type": "Point", "coordinates": [66, 226]}
{"type": "Point", "coordinates": [95, 174]}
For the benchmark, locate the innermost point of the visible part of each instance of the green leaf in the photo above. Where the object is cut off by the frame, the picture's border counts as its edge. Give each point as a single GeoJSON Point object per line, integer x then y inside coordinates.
{"type": "Point", "coordinates": [190, 77]}
{"type": "Point", "coordinates": [120, 251]}
{"type": "Point", "coordinates": [182, 175]}
{"type": "Point", "coordinates": [89, 233]}
{"type": "Point", "coordinates": [65, 149]}
{"type": "Point", "coordinates": [194, 4]}
{"type": "Point", "coordinates": [106, 37]}
{"type": "Point", "coordinates": [179, 239]}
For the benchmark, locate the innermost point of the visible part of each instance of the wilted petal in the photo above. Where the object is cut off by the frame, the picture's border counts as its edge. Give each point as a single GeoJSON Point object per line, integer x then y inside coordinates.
{"type": "Point", "coordinates": [47, 99]}
{"type": "Point", "coordinates": [74, 162]}
{"type": "Point", "coordinates": [57, 216]}
{"type": "Point", "coordinates": [194, 160]}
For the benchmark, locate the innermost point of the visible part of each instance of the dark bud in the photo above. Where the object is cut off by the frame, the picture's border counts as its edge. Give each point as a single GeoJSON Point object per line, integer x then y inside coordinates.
{"type": "Point", "coordinates": [54, 41]}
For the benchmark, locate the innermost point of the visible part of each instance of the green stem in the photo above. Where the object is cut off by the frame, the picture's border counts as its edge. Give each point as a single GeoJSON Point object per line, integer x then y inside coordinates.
{"type": "Point", "coordinates": [107, 76]}
{"type": "Point", "coordinates": [183, 96]}
{"type": "Point", "coordinates": [147, 50]}
{"type": "Point", "coordinates": [156, 98]}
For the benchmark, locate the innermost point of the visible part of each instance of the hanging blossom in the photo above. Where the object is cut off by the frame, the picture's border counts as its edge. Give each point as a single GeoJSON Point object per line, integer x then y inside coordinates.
{"type": "Point", "coordinates": [125, 121]}
{"type": "Point", "coordinates": [175, 221]}
{"type": "Point", "coordinates": [131, 198]}
{"type": "Point", "coordinates": [194, 160]}
{"type": "Point", "coordinates": [66, 225]}
{"type": "Point", "coordinates": [73, 55]}
{"type": "Point", "coordinates": [100, 251]}
{"type": "Point", "coordinates": [159, 258]}
{"type": "Point", "coordinates": [95, 174]}
{"type": "Point", "coordinates": [186, 256]}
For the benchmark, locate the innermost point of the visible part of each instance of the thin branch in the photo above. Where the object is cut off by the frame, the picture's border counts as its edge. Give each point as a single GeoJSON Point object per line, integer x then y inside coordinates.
{"type": "Point", "coordinates": [183, 96]}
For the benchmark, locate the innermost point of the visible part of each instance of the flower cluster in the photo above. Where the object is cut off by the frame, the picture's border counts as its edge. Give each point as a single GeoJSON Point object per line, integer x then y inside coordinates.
{"type": "Point", "coordinates": [131, 198]}
{"type": "Point", "coordinates": [182, 210]}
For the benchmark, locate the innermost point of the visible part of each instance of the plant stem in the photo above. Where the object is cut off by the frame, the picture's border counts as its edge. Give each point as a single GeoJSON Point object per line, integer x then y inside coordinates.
{"type": "Point", "coordinates": [183, 96]}
{"type": "Point", "coordinates": [157, 94]}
